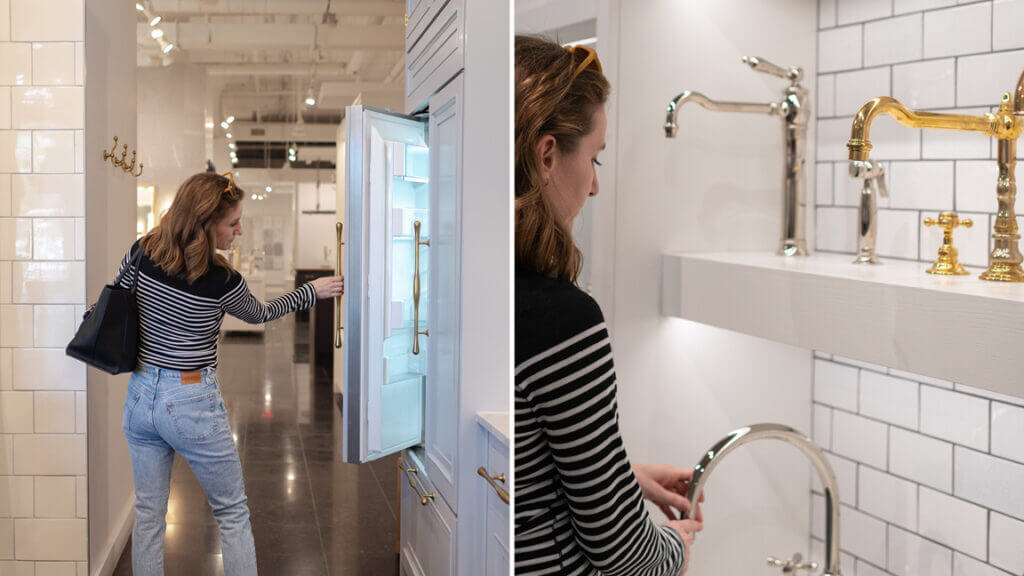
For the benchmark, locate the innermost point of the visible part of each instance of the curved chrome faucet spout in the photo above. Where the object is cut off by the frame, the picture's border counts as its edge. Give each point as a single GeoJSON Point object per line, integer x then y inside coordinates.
{"type": "Point", "coordinates": [738, 438]}
{"type": "Point", "coordinates": [691, 96]}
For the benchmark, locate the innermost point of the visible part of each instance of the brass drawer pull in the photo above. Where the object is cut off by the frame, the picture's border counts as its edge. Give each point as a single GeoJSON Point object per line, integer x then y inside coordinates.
{"type": "Point", "coordinates": [424, 499]}
{"type": "Point", "coordinates": [502, 493]}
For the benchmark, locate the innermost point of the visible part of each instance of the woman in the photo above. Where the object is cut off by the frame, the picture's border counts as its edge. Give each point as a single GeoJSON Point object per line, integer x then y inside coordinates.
{"type": "Point", "coordinates": [579, 501]}
{"type": "Point", "coordinates": [173, 404]}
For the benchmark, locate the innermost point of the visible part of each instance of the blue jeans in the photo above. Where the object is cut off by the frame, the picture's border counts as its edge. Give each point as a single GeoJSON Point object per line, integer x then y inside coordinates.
{"type": "Point", "coordinates": [163, 415]}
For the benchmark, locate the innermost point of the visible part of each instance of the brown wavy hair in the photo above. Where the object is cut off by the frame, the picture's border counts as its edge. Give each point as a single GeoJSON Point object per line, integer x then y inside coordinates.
{"type": "Point", "coordinates": [553, 96]}
{"type": "Point", "coordinates": [184, 242]}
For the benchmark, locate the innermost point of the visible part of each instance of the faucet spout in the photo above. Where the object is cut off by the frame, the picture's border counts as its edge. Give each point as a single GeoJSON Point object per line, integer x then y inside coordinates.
{"type": "Point", "coordinates": [1018, 98]}
{"type": "Point", "coordinates": [692, 96]}
{"type": "Point", "coordinates": [738, 438]}
{"type": "Point", "coordinates": [859, 144]}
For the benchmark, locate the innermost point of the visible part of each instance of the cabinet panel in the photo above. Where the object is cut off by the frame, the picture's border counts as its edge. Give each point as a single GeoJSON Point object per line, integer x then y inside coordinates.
{"type": "Point", "coordinates": [442, 408]}
{"type": "Point", "coordinates": [428, 531]}
{"type": "Point", "coordinates": [435, 56]}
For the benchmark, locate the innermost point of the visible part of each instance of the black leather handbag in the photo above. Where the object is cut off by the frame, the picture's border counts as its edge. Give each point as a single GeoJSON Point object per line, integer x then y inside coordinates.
{"type": "Point", "coordinates": [108, 336]}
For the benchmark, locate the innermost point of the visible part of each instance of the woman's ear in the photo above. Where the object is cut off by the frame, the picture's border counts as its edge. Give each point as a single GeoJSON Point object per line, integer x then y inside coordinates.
{"type": "Point", "coordinates": [545, 149]}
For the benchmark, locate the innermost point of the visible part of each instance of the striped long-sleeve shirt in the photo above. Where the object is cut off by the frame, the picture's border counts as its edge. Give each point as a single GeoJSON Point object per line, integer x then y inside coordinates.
{"type": "Point", "coordinates": [578, 506]}
{"type": "Point", "coordinates": [179, 322]}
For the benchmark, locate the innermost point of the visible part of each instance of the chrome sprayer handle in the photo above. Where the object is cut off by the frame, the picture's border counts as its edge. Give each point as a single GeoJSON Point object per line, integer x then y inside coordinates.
{"type": "Point", "coordinates": [794, 74]}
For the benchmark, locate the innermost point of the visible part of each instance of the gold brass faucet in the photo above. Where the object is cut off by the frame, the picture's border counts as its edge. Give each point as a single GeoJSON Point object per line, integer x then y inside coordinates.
{"type": "Point", "coordinates": [1006, 125]}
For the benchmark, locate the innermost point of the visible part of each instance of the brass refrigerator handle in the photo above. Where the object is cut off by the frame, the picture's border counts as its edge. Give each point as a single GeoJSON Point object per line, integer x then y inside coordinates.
{"type": "Point", "coordinates": [502, 493]}
{"type": "Point", "coordinates": [416, 291]}
{"type": "Point", "coordinates": [339, 229]}
{"type": "Point", "coordinates": [409, 471]}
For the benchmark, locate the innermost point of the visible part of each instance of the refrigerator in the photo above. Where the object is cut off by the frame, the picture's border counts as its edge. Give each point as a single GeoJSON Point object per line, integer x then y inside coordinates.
{"type": "Point", "coordinates": [386, 264]}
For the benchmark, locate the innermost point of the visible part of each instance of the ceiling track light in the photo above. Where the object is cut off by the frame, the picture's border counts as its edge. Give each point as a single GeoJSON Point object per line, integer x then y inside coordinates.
{"type": "Point", "coordinates": [140, 7]}
{"type": "Point", "coordinates": [167, 48]}
{"type": "Point", "coordinates": [156, 20]}
{"type": "Point", "coordinates": [157, 33]}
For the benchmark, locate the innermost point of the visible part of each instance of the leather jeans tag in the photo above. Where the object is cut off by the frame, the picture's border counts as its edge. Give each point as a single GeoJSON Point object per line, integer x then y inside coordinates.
{"type": "Point", "coordinates": [191, 377]}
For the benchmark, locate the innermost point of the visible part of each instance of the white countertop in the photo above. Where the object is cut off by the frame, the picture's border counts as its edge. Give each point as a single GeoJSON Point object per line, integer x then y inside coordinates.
{"type": "Point", "coordinates": [497, 423]}
{"type": "Point", "coordinates": [957, 328]}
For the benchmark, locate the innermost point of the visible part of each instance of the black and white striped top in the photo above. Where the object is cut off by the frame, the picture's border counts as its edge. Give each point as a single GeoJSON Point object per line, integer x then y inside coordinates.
{"type": "Point", "coordinates": [578, 506]}
{"type": "Point", "coordinates": [179, 323]}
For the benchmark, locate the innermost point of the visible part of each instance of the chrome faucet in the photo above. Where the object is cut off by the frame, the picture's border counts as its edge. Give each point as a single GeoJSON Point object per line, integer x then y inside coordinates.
{"type": "Point", "coordinates": [794, 113]}
{"type": "Point", "coordinates": [738, 438]}
{"type": "Point", "coordinates": [873, 175]}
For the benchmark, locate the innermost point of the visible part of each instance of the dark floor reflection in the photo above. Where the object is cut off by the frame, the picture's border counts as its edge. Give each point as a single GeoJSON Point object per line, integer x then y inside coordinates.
{"type": "Point", "coordinates": [311, 513]}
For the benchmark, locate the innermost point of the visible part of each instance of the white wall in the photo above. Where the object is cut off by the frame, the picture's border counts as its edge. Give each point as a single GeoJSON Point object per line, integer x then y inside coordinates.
{"type": "Point", "coordinates": [43, 437]}
{"type": "Point", "coordinates": [929, 470]}
{"type": "Point", "coordinates": [171, 140]}
{"type": "Point", "coordinates": [110, 96]}
{"type": "Point", "coordinates": [717, 186]}
{"type": "Point", "coordinates": [316, 242]}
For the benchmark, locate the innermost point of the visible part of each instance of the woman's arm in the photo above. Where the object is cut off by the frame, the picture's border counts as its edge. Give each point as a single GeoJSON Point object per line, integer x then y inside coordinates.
{"type": "Point", "coordinates": [240, 303]}
{"type": "Point", "coordinates": [571, 390]}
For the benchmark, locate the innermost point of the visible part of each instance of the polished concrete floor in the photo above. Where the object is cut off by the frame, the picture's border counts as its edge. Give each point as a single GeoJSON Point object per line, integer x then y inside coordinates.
{"type": "Point", "coordinates": [311, 513]}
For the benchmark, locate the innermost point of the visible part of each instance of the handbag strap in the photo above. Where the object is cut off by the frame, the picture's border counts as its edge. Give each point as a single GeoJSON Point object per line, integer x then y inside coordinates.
{"type": "Point", "coordinates": [136, 263]}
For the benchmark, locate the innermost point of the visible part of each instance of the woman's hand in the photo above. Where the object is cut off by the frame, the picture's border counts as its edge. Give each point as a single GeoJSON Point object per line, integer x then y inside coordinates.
{"type": "Point", "coordinates": [665, 485]}
{"type": "Point", "coordinates": [687, 530]}
{"type": "Point", "coordinates": [329, 286]}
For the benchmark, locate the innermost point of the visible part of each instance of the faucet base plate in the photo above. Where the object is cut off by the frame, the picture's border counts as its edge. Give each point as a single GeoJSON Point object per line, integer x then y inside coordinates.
{"type": "Point", "coordinates": [793, 248]}
{"type": "Point", "coordinates": [1003, 272]}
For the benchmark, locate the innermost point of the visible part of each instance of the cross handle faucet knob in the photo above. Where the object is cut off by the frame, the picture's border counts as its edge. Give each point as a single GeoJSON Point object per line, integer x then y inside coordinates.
{"type": "Point", "coordinates": [793, 565]}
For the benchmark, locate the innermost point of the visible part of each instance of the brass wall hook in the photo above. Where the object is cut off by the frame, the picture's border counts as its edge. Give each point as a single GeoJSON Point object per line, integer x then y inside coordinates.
{"type": "Point", "coordinates": [140, 170]}
{"type": "Point", "coordinates": [948, 262]}
{"type": "Point", "coordinates": [124, 156]}
{"type": "Point", "coordinates": [108, 155]}
{"type": "Point", "coordinates": [130, 167]}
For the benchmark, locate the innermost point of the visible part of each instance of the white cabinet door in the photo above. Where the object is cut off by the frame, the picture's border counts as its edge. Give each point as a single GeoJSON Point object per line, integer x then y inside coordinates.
{"type": "Point", "coordinates": [435, 36]}
{"type": "Point", "coordinates": [442, 420]}
{"type": "Point", "coordinates": [386, 265]}
{"type": "Point", "coordinates": [428, 525]}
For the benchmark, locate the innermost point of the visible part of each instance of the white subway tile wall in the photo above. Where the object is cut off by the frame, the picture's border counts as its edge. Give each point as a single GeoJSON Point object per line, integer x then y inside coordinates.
{"type": "Point", "coordinates": [931, 55]}
{"type": "Point", "coordinates": [929, 472]}
{"type": "Point", "coordinates": [43, 500]}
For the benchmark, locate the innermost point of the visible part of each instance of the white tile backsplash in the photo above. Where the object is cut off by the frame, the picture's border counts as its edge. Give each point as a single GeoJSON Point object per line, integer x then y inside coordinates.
{"type": "Point", "coordinates": [849, 11]}
{"type": "Point", "coordinates": [1007, 431]}
{"type": "Point", "coordinates": [953, 522]}
{"type": "Point", "coordinates": [921, 185]}
{"type": "Point", "coordinates": [921, 459]}
{"type": "Point", "coordinates": [48, 107]}
{"type": "Point", "coordinates": [835, 385]}
{"type": "Point", "coordinates": [51, 539]}
{"type": "Point", "coordinates": [821, 432]}
{"type": "Point", "coordinates": [890, 498]}
{"type": "Point", "coordinates": [1006, 18]}
{"type": "Point", "coordinates": [859, 439]}
{"type": "Point", "coordinates": [904, 6]}
{"type": "Point", "coordinates": [30, 23]}
{"type": "Point", "coordinates": [53, 63]}
{"type": "Point", "coordinates": [976, 185]}
{"type": "Point", "coordinates": [891, 140]}
{"type": "Point", "coordinates": [49, 454]}
{"type": "Point", "coordinates": [893, 40]}
{"type": "Point", "coordinates": [839, 48]}
{"type": "Point", "coordinates": [911, 555]}
{"type": "Point", "coordinates": [961, 30]}
{"type": "Point", "coordinates": [836, 229]}
{"type": "Point", "coordinates": [966, 566]}
{"type": "Point", "coordinates": [826, 13]}
{"type": "Point", "coordinates": [826, 95]}
{"type": "Point", "coordinates": [897, 234]}
{"type": "Point", "coordinates": [955, 417]}
{"type": "Point", "coordinates": [929, 84]}
{"type": "Point", "coordinates": [15, 64]}
{"type": "Point", "coordinates": [862, 535]}
{"type": "Point", "coordinates": [55, 497]}
{"type": "Point", "coordinates": [888, 398]}
{"type": "Point", "coordinates": [990, 481]}
{"type": "Point", "coordinates": [823, 187]}
{"type": "Point", "coordinates": [982, 79]}
{"type": "Point", "coordinates": [1005, 549]}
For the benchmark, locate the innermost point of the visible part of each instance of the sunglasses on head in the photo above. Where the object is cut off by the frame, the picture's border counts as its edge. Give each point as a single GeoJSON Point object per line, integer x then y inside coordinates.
{"type": "Point", "coordinates": [591, 56]}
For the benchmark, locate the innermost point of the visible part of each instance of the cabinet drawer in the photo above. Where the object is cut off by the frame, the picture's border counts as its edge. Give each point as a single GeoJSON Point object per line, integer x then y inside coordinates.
{"type": "Point", "coordinates": [433, 56]}
{"type": "Point", "coordinates": [497, 544]}
{"type": "Point", "coordinates": [428, 531]}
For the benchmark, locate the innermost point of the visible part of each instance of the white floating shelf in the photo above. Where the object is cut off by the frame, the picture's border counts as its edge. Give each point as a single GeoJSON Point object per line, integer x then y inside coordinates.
{"type": "Point", "coordinates": [956, 328]}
